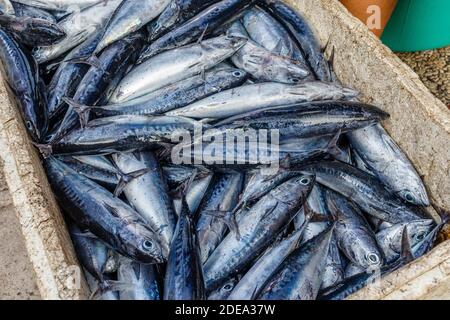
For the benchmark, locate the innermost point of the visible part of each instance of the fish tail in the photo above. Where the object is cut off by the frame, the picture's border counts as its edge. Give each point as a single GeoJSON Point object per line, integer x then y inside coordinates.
{"type": "Point", "coordinates": [46, 150]}
{"type": "Point", "coordinates": [227, 217]}
{"type": "Point", "coordinates": [126, 178]}
{"type": "Point", "coordinates": [82, 110]}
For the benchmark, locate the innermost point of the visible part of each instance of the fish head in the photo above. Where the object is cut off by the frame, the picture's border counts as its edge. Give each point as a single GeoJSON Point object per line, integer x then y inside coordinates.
{"type": "Point", "coordinates": [374, 259]}
{"type": "Point", "coordinates": [142, 245]}
{"type": "Point", "coordinates": [223, 47]}
{"type": "Point", "coordinates": [295, 72]}
{"type": "Point", "coordinates": [364, 252]}
{"type": "Point", "coordinates": [295, 190]}
{"type": "Point", "coordinates": [416, 196]}
{"type": "Point", "coordinates": [419, 229]}
{"type": "Point", "coordinates": [224, 291]}
{"type": "Point", "coordinates": [238, 74]}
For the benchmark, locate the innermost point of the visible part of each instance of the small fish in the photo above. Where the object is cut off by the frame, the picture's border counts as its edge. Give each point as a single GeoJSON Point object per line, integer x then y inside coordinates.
{"type": "Point", "coordinates": [255, 279]}
{"type": "Point", "coordinates": [221, 198]}
{"type": "Point", "coordinates": [148, 194]}
{"type": "Point", "coordinates": [384, 159]}
{"type": "Point", "coordinates": [68, 76]}
{"type": "Point", "coordinates": [102, 171]}
{"type": "Point", "coordinates": [78, 27]}
{"type": "Point", "coordinates": [271, 35]}
{"type": "Point", "coordinates": [63, 5]}
{"type": "Point", "coordinates": [137, 281]}
{"type": "Point", "coordinates": [300, 276]}
{"type": "Point", "coordinates": [95, 209]}
{"type": "Point", "coordinates": [360, 280]}
{"type": "Point", "coordinates": [120, 133]}
{"type": "Point", "coordinates": [334, 269]}
{"type": "Point", "coordinates": [33, 31]}
{"type": "Point", "coordinates": [22, 10]}
{"type": "Point", "coordinates": [184, 271]}
{"type": "Point", "coordinates": [264, 65]}
{"type": "Point", "coordinates": [390, 239]}
{"type": "Point", "coordinates": [130, 16]}
{"type": "Point", "coordinates": [176, 13]}
{"type": "Point", "coordinates": [176, 95]}
{"type": "Point", "coordinates": [21, 76]}
{"type": "Point", "coordinates": [196, 28]}
{"type": "Point", "coordinates": [175, 65]}
{"type": "Point", "coordinates": [254, 97]}
{"type": "Point", "coordinates": [364, 190]}
{"type": "Point", "coordinates": [354, 236]}
{"type": "Point", "coordinates": [99, 82]}
{"type": "Point", "coordinates": [265, 220]}
{"type": "Point", "coordinates": [304, 35]}
{"type": "Point", "coordinates": [92, 253]}
{"type": "Point", "coordinates": [307, 120]}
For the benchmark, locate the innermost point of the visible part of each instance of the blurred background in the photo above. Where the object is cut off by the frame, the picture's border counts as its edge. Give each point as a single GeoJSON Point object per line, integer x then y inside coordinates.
{"type": "Point", "coordinates": [417, 31]}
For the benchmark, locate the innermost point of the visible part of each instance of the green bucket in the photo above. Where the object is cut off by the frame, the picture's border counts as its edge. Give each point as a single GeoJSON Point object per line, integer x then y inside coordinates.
{"type": "Point", "coordinates": [418, 25]}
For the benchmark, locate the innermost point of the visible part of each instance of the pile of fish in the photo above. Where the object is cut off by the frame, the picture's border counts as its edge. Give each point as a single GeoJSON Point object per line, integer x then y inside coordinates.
{"type": "Point", "coordinates": [104, 86]}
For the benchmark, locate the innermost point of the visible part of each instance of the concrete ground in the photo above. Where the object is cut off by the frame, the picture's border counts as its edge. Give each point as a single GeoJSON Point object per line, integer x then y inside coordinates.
{"type": "Point", "coordinates": [16, 273]}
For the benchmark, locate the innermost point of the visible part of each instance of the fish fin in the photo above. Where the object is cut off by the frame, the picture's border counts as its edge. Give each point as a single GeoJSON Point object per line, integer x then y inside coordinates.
{"type": "Point", "coordinates": [332, 146]}
{"type": "Point", "coordinates": [253, 295]}
{"type": "Point", "coordinates": [114, 285]}
{"type": "Point", "coordinates": [165, 150]}
{"type": "Point", "coordinates": [176, 193]}
{"type": "Point", "coordinates": [406, 253]}
{"type": "Point", "coordinates": [191, 180]}
{"type": "Point", "coordinates": [185, 210]}
{"type": "Point", "coordinates": [91, 61]}
{"type": "Point", "coordinates": [286, 162]}
{"type": "Point", "coordinates": [86, 234]}
{"type": "Point", "coordinates": [317, 217]}
{"type": "Point", "coordinates": [54, 65]}
{"type": "Point", "coordinates": [269, 211]}
{"type": "Point", "coordinates": [109, 285]}
{"type": "Point", "coordinates": [126, 178]}
{"type": "Point", "coordinates": [200, 39]}
{"type": "Point", "coordinates": [227, 217]}
{"type": "Point", "coordinates": [279, 46]}
{"type": "Point", "coordinates": [46, 150]}
{"type": "Point", "coordinates": [80, 109]}
{"type": "Point", "coordinates": [111, 209]}
{"type": "Point", "coordinates": [330, 63]}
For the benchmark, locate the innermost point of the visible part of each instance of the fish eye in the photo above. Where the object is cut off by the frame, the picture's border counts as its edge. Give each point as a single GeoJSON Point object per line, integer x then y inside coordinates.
{"type": "Point", "coordinates": [295, 80]}
{"type": "Point", "coordinates": [228, 287]}
{"type": "Point", "coordinates": [29, 125]}
{"type": "Point", "coordinates": [420, 236]}
{"type": "Point", "coordinates": [237, 74]}
{"type": "Point", "coordinates": [147, 245]}
{"type": "Point", "coordinates": [408, 196]}
{"type": "Point", "coordinates": [373, 258]}
{"type": "Point", "coordinates": [305, 181]}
